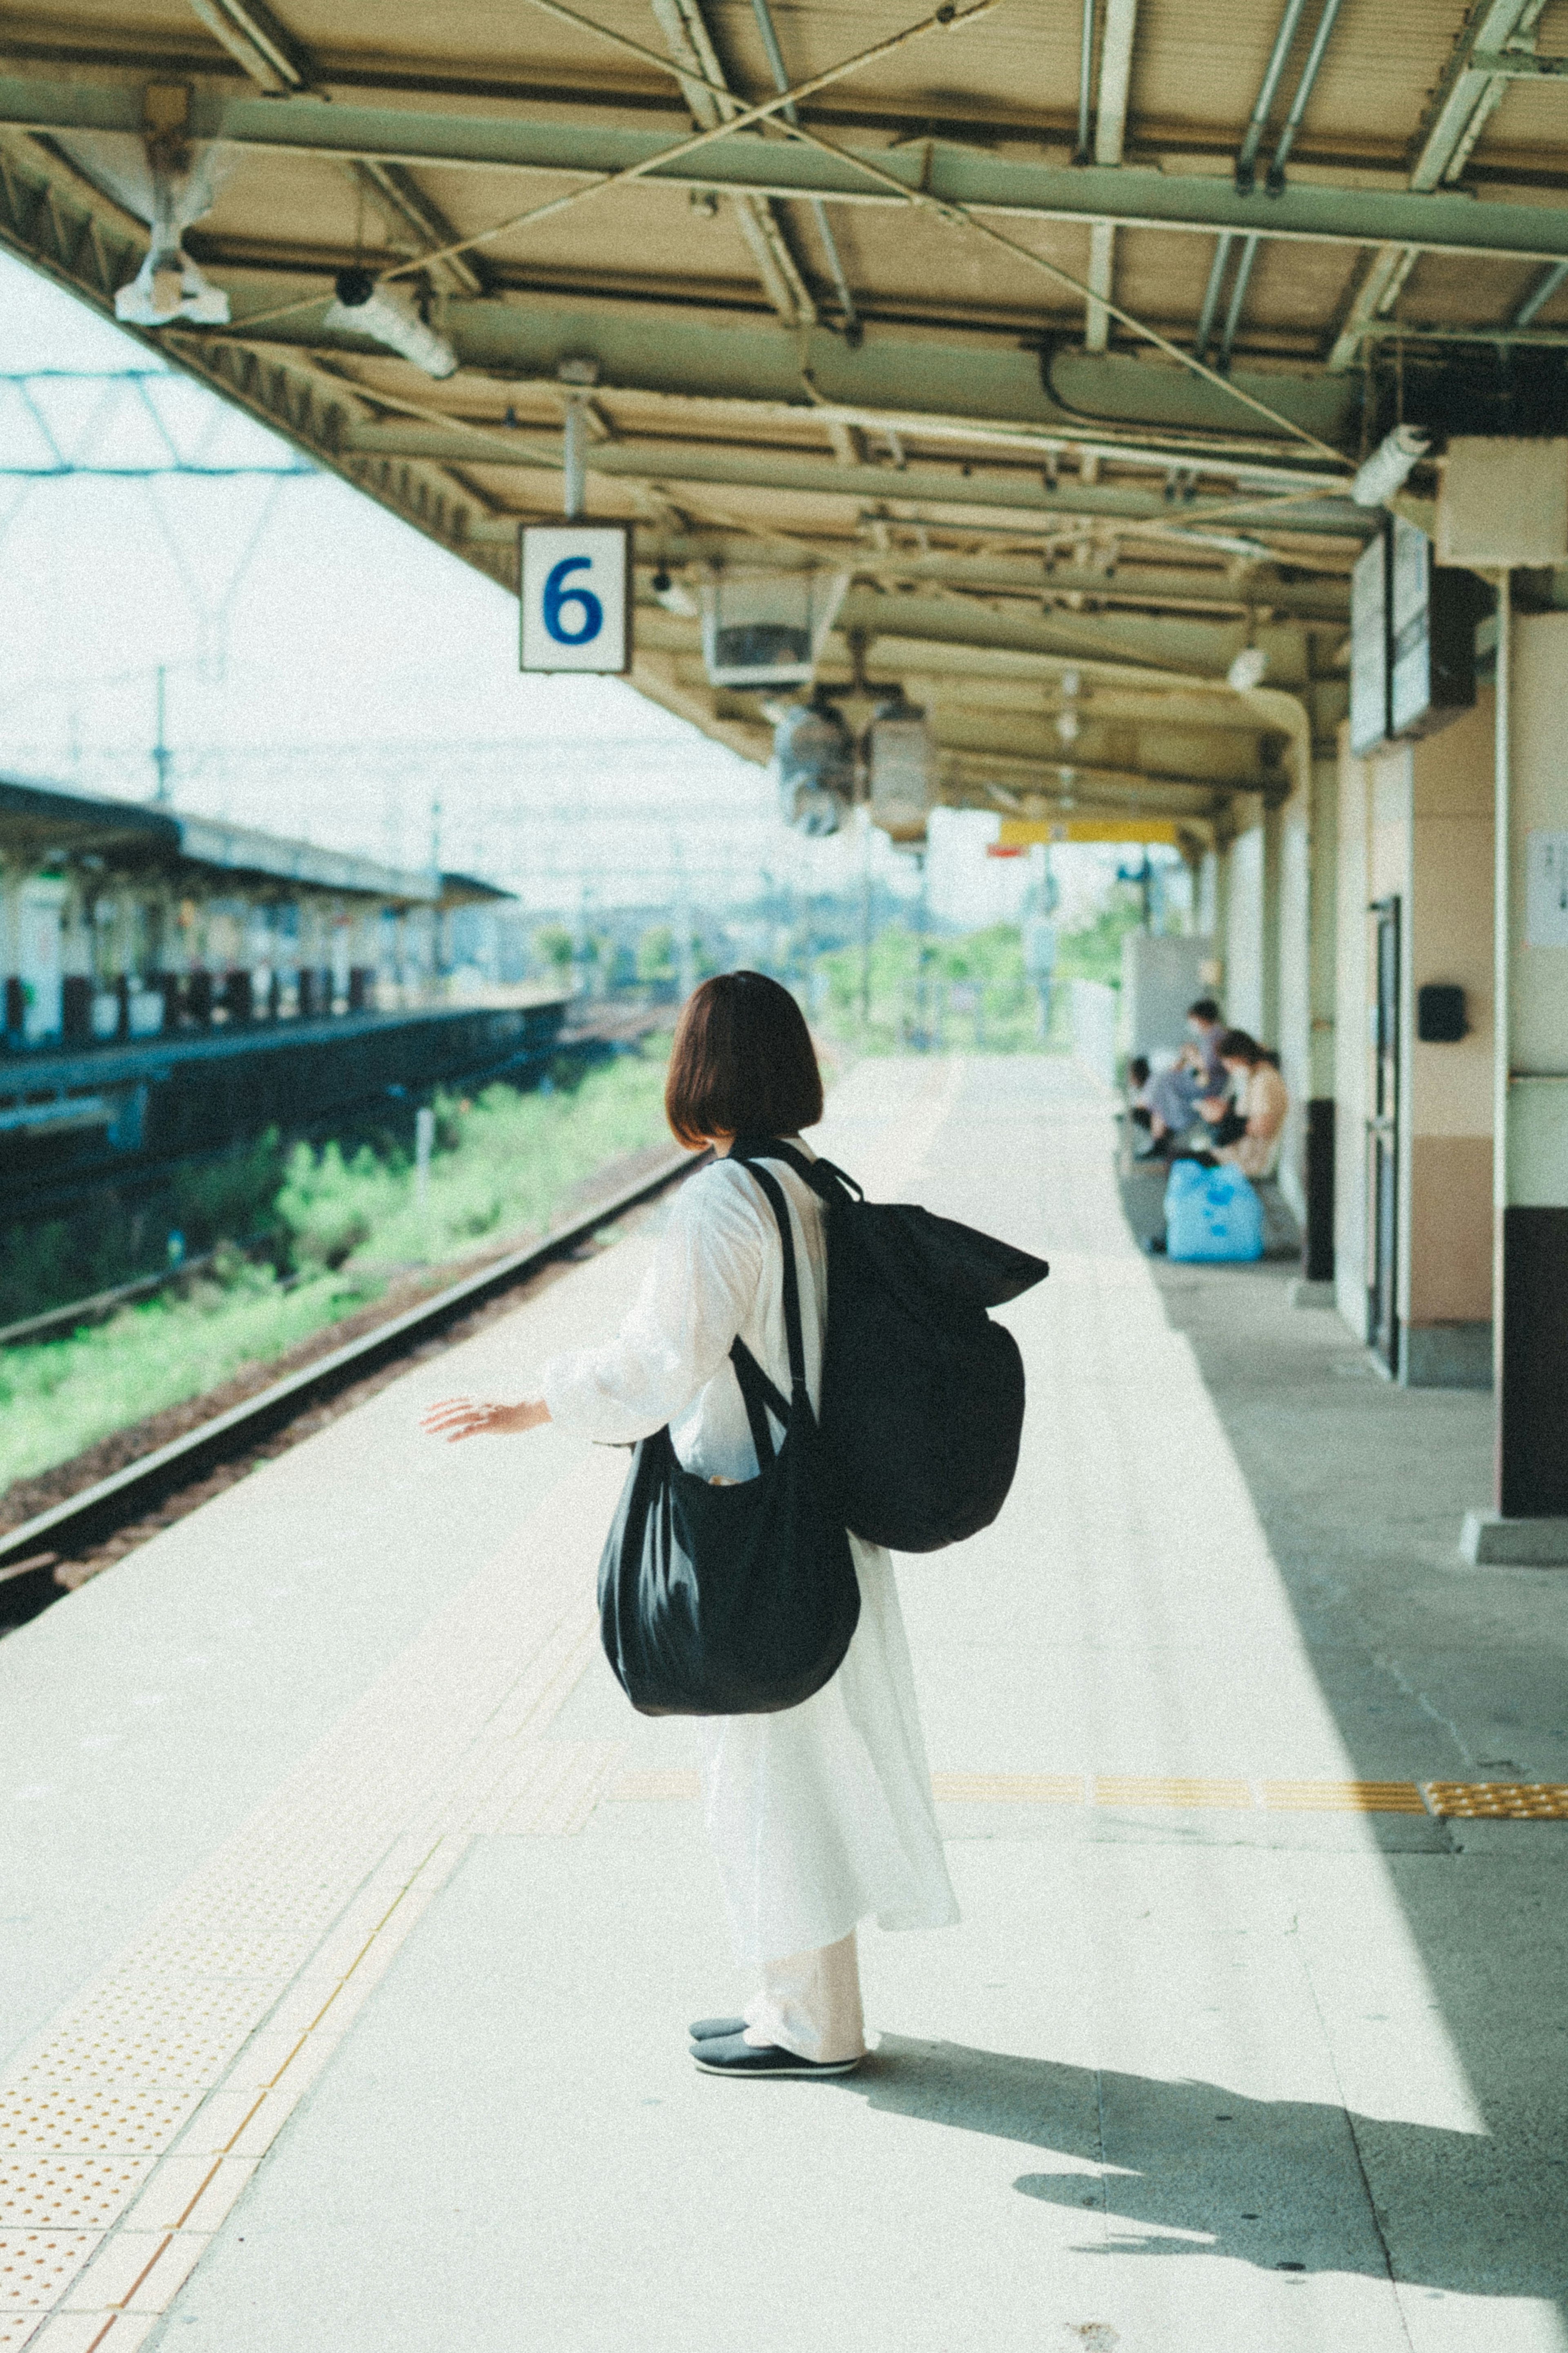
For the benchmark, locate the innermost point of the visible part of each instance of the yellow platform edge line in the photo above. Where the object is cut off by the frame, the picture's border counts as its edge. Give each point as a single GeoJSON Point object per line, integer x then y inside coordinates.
{"type": "Point", "coordinates": [1451, 1800]}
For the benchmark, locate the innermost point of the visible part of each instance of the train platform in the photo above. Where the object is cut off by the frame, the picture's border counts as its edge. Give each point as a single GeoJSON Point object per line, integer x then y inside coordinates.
{"type": "Point", "coordinates": [349, 1922]}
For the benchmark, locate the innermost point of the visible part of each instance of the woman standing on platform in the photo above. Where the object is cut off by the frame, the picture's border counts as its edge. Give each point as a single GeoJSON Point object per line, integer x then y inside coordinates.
{"type": "Point", "coordinates": [820, 1815]}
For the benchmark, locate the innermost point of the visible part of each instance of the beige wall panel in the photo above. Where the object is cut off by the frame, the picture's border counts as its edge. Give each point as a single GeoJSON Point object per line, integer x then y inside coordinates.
{"type": "Point", "coordinates": [1450, 1251]}
{"type": "Point", "coordinates": [1452, 772]}
{"type": "Point", "coordinates": [1388, 863]}
{"type": "Point", "coordinates": [1450, 936]}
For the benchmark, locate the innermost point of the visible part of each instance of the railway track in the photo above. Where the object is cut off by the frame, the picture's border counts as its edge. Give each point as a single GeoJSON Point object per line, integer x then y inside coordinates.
{"type": "Point", "coordinates": [62, 1547]}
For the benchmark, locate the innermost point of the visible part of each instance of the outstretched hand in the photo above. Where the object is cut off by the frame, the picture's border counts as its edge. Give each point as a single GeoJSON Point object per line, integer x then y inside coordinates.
{"type": "Point", "coordinates": [462, 1416]}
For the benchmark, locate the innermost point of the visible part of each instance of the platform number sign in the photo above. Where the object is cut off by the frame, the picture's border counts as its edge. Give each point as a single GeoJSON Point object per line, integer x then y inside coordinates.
{"type": "Point", "coordinates": [576, 596]}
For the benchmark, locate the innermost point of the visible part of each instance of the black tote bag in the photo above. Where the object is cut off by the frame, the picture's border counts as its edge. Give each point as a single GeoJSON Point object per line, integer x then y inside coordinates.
{"type": "Point", "coordinates": [734, 1599]}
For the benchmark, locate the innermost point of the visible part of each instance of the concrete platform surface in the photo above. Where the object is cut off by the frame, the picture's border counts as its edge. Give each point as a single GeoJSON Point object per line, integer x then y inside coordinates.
{"type": "Point", "coordinates": [349, 1921]}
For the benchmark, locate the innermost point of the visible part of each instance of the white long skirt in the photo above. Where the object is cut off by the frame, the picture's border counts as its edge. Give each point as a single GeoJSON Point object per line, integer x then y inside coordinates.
{"type": "Point", "coordinates": [821, 1816]}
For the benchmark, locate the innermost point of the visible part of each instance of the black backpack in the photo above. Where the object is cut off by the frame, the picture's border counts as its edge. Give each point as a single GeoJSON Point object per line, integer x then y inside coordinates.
{"type": "Point", "coordinates": [922, 1395]}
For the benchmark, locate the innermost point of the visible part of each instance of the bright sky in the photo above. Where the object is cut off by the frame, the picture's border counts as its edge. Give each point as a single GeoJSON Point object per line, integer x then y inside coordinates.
{"type": "Point", "coordinates": [329, 673]}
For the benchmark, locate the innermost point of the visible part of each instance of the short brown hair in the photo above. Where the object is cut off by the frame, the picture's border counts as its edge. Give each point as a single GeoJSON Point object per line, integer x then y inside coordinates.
{"type": "Point", "coordinates": [1238, 1046]}
{"type": "Point", "coordinates": [742, 1062]}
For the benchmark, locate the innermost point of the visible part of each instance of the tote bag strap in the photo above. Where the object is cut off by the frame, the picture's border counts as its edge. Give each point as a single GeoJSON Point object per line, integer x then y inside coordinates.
{"type": "Point", "coordinates": [760, 1399]}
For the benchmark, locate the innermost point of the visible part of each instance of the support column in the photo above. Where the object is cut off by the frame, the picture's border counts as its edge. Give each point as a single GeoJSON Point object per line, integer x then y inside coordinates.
{"type": "Point", "coordinates": [1323, 951]}
{"type": "Point", "coordinates": [1247, 992]}
{"type": "Point", "coordinates": [1530, 1522]}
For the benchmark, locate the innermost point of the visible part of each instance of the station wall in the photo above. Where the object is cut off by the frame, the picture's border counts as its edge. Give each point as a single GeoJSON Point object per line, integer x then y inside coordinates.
{"type": "Point", "coordinates": [1416, 824]}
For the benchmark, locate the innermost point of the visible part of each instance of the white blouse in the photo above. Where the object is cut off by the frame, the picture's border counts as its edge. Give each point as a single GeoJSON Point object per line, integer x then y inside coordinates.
{"type": "Point", "coordinates": [819, 1815]}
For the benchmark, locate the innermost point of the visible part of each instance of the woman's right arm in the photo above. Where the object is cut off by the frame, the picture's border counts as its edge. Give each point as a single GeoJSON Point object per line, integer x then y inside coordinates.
{"type": "Point", "coordinates": [697, 1294]}
{"type": "Point", "coordinates": [694, 1299]}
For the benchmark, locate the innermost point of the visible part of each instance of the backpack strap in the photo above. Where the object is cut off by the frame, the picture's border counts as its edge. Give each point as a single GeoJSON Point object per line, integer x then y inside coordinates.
{"type": "Point", "coordinates": [773, 1191]}
{"type": "Point", "coordinates": [824, 1179]}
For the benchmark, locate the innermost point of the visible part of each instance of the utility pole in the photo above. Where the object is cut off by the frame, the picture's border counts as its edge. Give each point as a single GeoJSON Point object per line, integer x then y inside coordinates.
{"type": "Point", "coordinates": [163, 758]}
{"type": "Point", "coordinates": [865, 917]}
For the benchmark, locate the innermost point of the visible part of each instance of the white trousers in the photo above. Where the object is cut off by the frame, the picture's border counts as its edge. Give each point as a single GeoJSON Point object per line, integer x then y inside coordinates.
{"type": "Point", "coordinates": [810, 2004]}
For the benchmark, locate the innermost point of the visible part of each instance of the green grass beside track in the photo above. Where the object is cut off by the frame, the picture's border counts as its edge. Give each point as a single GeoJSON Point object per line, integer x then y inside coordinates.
{"type": "Point", "coordinates": [505, 1167]}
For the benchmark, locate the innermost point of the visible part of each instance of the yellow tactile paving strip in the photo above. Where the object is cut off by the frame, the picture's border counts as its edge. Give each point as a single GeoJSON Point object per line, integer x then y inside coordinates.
{"type": "Point", "coordinates": [1513, 1801]}
{"type": "Point", "coordinates": [1457, 1801]}
{"type": "Point", "coordinates": [136, 2118]}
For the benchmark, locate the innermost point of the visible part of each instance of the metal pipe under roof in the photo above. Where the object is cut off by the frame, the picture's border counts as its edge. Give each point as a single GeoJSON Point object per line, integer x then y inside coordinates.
{"type": "Point", "coordinates": [1205, 334]}
{"type": "Point", "coordinates": [1085, 82]}
{"type": "Point", "coordinates": [1257, 121]}
{"type": "Point", "coordinates": [1540, 294]}
{"type": "Point", "coordinates": [763, 15]}
{"type": "Point", "coordinates": [1275, 183]}
{"type": "Point", "coordinates": [1237, 297]}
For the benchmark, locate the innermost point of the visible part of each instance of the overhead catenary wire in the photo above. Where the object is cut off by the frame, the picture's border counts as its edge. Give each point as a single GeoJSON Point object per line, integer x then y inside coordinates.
{"type": "Point", "coordinates": [945, 17]}
{"type": "Point", "coordinates": [955, 213]}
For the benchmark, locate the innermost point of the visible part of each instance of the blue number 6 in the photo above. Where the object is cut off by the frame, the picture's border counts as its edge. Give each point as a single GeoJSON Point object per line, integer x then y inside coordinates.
{"type": "Point", "coordinates": [556, 596]}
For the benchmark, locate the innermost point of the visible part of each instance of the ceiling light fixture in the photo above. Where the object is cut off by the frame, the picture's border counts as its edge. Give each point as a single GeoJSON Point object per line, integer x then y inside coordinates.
{"type": "Point", "coordinates": [1390, 465]}
{"type": "Point", "coordinates": [673, 595]}
{"type": "Point", "coordinates": [167, 287]}
{"type": "Point", "coordinates": [364, 308]}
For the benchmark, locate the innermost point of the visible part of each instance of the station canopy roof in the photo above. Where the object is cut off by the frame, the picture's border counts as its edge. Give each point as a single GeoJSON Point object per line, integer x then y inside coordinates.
{"type": "Point", "coordinates": [40, 824]}
{"type": "Point", "coordinates": [1059, 326]}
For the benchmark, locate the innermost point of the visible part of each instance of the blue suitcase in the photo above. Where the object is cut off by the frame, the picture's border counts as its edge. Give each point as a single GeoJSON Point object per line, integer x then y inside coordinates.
{"type": "Point", "coordinates": [1211, 1213]}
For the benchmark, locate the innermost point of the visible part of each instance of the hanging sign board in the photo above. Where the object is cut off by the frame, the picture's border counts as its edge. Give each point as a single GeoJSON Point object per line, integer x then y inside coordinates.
{"type": "Point", "coordinates": [1370, 651]}
{"type": "Point", "coordinates": [576, 596]}
{"type": "Point", "coordinates": [1433, 613]}
{"type": "Point", "coordinates": [1546, 890]}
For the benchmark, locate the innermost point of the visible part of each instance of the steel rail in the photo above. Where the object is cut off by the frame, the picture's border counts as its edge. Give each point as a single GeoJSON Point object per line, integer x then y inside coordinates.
{"type": "Point", "coordinates": [125, 1495]}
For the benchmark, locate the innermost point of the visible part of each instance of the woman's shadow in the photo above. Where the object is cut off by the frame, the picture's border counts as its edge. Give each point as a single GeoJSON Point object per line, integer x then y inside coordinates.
{"type": "Point", "coordinates": [1184, 2167]}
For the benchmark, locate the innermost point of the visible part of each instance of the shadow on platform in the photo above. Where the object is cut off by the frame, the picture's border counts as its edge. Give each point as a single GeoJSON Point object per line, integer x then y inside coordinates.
{"type": "Point", "coordinates": [1206, 2170]}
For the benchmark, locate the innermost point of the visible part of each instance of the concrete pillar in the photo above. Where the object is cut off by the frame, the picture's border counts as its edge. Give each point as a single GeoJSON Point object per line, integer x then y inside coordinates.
{"type": "Point", "coordinates": [1530, 1236]}
{"type": "Point", "coordinates": [1307, 895]}
{"type": "Point", "coordinates": [1319, 1141]}
{"type": "Point", "coordinates": [1247, 992]}
{"type": "Point", "coordinates": [1352, 867]}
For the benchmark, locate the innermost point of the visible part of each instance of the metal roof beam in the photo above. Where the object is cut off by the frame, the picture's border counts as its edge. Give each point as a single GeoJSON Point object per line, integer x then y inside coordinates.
{"type": "Point", "coordinates": [1463, 102]}
{"type": "Point", "coordinates": [284, 67]}
{"type": "Point", "coordinates": [684, 29]}
{"type": "Point", "coordinates": [1175, 588]}
{"type": "Point", "coordinates": [1160, 653]}
{"type": "Point", "coordinates": [942, 385]}
{"type": "Point", "coordinates": [1110, 137]}
{"type": "Point", "coordinates": [1019, 491]}
{"type": "Point", "coordinates": [989, 183]}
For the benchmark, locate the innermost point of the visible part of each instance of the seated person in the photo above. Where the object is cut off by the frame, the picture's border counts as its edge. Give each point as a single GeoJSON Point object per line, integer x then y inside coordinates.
{"type": "Point", "coordinates": [1138, 1110]}
{"type": "Point", "coordinates": [1197, 1075]}
{"type": "Point", "coordinates": [1249, 1137]}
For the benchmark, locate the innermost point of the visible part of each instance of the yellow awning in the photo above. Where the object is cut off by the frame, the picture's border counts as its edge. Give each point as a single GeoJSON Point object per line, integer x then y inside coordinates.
{"type": "Point", "coordinates": [1021, 833]}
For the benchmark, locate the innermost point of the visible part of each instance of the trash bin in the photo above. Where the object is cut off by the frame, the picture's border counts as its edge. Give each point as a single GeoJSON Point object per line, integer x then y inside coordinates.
{"type": "Point", "coordinates": [1211, 1213]}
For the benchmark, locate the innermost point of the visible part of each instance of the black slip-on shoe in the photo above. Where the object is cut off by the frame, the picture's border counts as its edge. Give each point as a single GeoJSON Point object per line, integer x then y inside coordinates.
{"type": "Point", "coordinates": [732, 2054]}
{"type": "Point", "coordinates": [714, 2030]}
